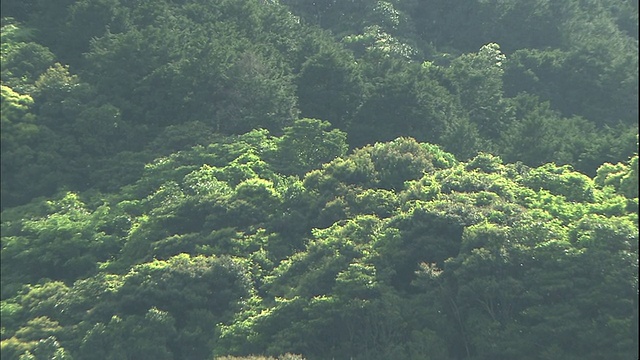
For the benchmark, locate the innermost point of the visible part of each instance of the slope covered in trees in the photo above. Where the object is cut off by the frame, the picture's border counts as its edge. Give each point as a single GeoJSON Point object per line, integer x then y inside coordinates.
{"type": "Point", "coordinates": [404, 179]}
{"type": "Point", "coordinates": [397, 250]}
{"type": "Point", "coordinates": [90, 86]}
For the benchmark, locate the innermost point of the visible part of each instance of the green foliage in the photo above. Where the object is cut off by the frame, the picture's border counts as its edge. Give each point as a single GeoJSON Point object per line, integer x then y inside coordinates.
{"type": "Point", "coordinates": [242, 179]}
{"type": "Point", "coordinates": [144, 337]}
{"type": "Point", "coordinates": [622, 177]}
{"type": "Point", "coordinates": [403, 100]}
{"type": "Point", "coordinates": [329, 87]}
{"type": "Point", "coordinates": [18, 132]}
{"type": "Point", "coordinates": [375, 42]}
{"type": "Point", "coordinates": [418, 252]}
{"type": "Point", "coordinates": [308, 143]}
{"type": "Point", "coordinates": [389, 165]}
{"type": "Point", "coordinates": [561, 181]}
{"type": "Point", "coordinates": [477, 80]}
{"type": "Point", "coordinates": [66, 244]}
{"type": "Point", "coordinates": [23, 61]}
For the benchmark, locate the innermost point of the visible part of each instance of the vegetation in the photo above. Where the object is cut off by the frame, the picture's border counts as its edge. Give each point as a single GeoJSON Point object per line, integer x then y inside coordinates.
{"type": "Point", "coordinates": [251, 179]}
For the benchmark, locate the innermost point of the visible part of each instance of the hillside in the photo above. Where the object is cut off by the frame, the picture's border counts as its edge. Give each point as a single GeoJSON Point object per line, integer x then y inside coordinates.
{"type": "Point", "coordinates": [404, 179]}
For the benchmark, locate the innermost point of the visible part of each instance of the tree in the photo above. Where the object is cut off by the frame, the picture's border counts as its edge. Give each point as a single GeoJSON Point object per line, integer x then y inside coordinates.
{"type": "Point", "coordinates": [329, 87]}
{"type": "Point", "coordinates": [147, 336]}
{"type": "Point", "coordinates": [64, 244]}
{"type": "Point", "coordinates": [307, 145]}
{"type": "Point", "coordinates": [23, 61]}
{"type": "Point", "coordinates": [197, 291]}
{"type": "Point", "coordinates": [477, 79]}
{"type": "Point", "coordinates": [18, 131]}
{"type": "Point", "coordinates": [259, 96]}
{"type": "Point", "coordinates": [404, 100]}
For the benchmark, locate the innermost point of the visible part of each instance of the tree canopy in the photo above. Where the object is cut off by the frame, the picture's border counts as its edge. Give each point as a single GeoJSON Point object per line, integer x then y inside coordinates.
{"type": "Point", "coordinates": [263, 180]}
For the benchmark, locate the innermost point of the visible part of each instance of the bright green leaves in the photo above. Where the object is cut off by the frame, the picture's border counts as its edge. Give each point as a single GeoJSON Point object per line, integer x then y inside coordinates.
{"type": "Point", "coordinates": [488, 273]}
{"type": "Point", "coordinates": [19, 130]}
{"type": "Point", "coordinates": [22, 61]}
{"type": "Point", "coordinates": [255, 201]}
{"type": "Point", "coordinates": [56, 83]}
{"type": "Point", "coordinates": [280, 240]}
{"type": "Point", "coordinates": [561, 181]}
{"type": "Point", "coordinates": [166, 309]}
{"type": "Point", "coordinates": [214, 250]}
{"type": "Point", "coordinates": [358, 281]}
{"type": "Point", "coordinates": [313, 272]}
{"type": "Point", "coordinates": [628, 182]}
{"type": "Point", "coordinates": [66, 244]}
{"type": "Point", "coordinates": [486, 163]}
{"type": "Point", "coordinates": [376, 43]}
{"type": "Point", "coordinates": [622, 177]}
{"type": "Point", "coordinates": [146, 337]}
{"type": "Point", "coordinates": [501, 281]}
{"type": "Point", "coordinates": [15, 106]}
{"type": "Point", "coordinates": [203, 182]}
{"type": "Point", "coordinates": [142, 288]}
{"type": "Point", "coordinates": [32, 320]}
{"type": "Point", "coordinates": [388, 165]}
{"type": "Point", "coordinates": [569, 278]}
{"type": "Point", "coordinates": [47, 142]}
{"type": "Point", "coordinates": [398, 161]}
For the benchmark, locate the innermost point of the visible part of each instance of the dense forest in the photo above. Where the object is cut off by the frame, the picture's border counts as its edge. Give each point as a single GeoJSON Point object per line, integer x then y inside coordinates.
{"type": "Point", "coordinates": [319, 179]}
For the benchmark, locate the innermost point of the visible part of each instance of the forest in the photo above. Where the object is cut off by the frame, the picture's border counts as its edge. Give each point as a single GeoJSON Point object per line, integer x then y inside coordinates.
{"type": "Point", "coordinates": [319, 179]}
